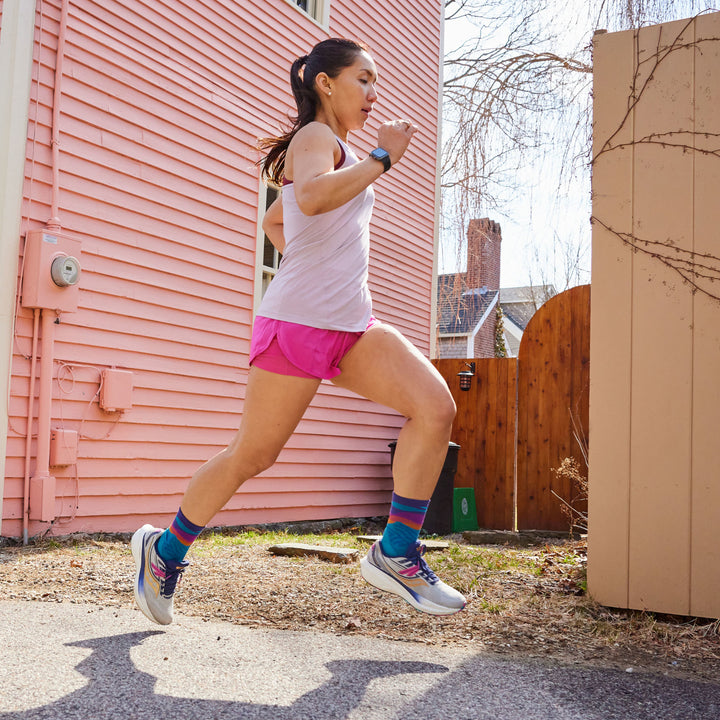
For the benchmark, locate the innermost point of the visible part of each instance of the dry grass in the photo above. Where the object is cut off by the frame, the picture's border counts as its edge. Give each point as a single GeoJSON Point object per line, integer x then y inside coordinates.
{"type": "Point", "coordinates": [528, 601]}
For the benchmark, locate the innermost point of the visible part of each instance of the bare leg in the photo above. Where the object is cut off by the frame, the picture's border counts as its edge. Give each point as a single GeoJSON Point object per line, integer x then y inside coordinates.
{"type": "Point", "coordinates": [274, 405]}
{"type": "Point", "coordinates": [383, 366]}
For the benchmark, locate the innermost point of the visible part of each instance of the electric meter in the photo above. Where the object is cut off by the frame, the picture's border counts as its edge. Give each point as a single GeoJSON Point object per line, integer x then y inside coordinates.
{"type": "Point", "coordinates": [65, 271]}
{"type": "Point", "coordinates": [51, 271]}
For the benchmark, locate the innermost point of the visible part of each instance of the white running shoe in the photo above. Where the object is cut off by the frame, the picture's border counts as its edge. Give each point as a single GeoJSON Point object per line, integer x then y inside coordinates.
{"type": "Point", "coordinates": [410, 577]}
{"type": "Point", "coordinates": [155, 579]}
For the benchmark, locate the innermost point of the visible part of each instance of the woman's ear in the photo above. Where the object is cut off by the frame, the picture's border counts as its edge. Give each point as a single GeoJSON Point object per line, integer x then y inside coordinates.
{"type": "Point", "coordinates": [323, 83]}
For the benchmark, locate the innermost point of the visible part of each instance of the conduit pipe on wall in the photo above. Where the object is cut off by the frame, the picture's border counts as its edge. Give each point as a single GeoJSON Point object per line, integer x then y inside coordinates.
{"type": "Point", "coordinates": [54, 221]}
{"type": "Point", "coordinates": [30, 416]}
{"type": "Point", "coordinates": [42, 484]}
{"type": "Point", "coordinates": [39, 490]}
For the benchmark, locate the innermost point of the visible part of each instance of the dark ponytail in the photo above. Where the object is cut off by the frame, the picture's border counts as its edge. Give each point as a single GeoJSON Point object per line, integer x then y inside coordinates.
{"type": "Point", "coordinates": [329, 56]}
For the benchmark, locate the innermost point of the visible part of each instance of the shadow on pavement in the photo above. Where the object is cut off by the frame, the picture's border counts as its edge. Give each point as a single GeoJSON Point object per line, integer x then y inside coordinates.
{"type": "Point", "coordinates": [110, 666]}
{"type": "Point", "coordinates": [487, 688]}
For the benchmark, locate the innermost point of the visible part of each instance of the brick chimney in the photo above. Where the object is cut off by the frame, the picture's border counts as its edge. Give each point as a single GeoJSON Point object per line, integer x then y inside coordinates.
{"type": "Point", "coordinates": [483, 261]}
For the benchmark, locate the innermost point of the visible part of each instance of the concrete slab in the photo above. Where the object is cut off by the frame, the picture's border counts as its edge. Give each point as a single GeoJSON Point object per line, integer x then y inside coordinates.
{"type": "Point", "coordinates": [325, 552]}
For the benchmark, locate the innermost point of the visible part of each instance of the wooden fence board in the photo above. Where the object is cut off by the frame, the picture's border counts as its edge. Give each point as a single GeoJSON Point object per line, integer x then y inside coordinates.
{"type": "Point", "coordinates": [662, 330]}
{"type": "Point", "coordinates": [611, 326]}
{"type": "Point", "coordinates": [484, 428]}
{"type": "Point", "coordinates": [705, 558]}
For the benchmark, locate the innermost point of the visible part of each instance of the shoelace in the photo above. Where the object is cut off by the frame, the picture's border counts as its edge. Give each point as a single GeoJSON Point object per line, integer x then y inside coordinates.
{"type": "Point", "coordinates": [171, 580]}
{"type": "Point", "coordinates": [416, 556]}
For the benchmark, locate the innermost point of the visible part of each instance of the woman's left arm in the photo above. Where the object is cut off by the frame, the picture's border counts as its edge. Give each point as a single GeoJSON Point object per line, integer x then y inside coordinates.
{"type": "Point", "coordinates": [272, 224]}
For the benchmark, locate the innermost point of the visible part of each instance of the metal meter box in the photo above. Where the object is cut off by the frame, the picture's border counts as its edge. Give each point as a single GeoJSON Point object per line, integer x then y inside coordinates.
{"type": "Point", "coordinates": [51, 271]}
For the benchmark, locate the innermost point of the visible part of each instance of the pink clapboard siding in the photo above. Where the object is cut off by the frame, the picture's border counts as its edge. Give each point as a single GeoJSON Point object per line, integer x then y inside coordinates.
{"type": "Point", "coordinates": [162, 105]}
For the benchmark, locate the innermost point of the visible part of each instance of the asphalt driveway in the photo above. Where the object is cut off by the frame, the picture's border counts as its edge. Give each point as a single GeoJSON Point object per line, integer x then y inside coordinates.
{"type": "Point", "coordinates": [65, 661]}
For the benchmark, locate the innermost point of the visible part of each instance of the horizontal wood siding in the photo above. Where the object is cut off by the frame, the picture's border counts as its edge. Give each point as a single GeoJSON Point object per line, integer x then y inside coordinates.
{"type": "Point", "coordinates": [162, 106]}
{"type": "Point", "coordinates": [408, 87]}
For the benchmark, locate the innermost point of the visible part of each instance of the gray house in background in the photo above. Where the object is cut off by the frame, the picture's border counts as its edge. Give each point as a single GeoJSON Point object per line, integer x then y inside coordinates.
{"type": "Point", "coordinates": [519, 304]}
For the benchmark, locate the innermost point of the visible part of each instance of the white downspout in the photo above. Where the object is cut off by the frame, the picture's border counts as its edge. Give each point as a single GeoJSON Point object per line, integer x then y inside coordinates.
{"type": "Point", "coordinates": [436, 234]}
{"type": "Point", "coordinates": [16, 62]}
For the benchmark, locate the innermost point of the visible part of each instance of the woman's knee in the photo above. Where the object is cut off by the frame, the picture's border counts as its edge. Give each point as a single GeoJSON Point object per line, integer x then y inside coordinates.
{"type": "Point", "coordinates": [249, 462]}
{"type": "Point", "coordinates": [437, 407]}
{"type": "Point", "coordinates": [446, 408]}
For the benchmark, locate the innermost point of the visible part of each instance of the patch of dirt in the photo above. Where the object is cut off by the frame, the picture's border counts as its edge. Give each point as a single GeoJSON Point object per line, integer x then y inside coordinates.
{"type": "Point", "coordinates": [527, 601]}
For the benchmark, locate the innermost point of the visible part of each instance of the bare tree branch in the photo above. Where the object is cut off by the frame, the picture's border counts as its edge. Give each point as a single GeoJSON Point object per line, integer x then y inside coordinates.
{"type": "Point", "coordinates": [517, 93]}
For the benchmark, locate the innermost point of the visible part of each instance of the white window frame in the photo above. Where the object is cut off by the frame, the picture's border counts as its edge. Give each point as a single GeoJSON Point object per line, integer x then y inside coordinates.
{"type": "Point", "coordinates": [318, 11]}
{"type": "Point", "coordinates": [260, 268]}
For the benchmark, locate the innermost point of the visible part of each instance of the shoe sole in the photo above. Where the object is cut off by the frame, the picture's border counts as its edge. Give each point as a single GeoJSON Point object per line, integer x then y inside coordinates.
{"type": "Point", "coordinates": [383, 581]}
{"type": "Point", "coordinates": [139, 555]}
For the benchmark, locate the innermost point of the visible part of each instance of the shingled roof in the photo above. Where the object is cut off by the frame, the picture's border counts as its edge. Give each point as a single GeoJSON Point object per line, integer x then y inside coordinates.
{"type": "Point", "coordinates": [519, 304]}
{"type": "Point", "coordinates": [460, 308]}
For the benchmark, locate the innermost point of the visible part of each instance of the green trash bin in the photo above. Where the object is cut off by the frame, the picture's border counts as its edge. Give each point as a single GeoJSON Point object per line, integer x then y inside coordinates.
{"type": "Point", "coordinates": [439, 518]}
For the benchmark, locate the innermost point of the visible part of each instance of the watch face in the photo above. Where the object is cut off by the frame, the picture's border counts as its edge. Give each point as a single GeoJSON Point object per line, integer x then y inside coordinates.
{"type": "Point", "coordinates": [383, 156]}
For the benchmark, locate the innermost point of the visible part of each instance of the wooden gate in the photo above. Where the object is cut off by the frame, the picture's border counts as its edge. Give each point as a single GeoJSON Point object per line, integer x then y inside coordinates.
{"type": "Point", "coordinates": [553, 392]}
{"type": "Point", "coordinates": [522, 417]}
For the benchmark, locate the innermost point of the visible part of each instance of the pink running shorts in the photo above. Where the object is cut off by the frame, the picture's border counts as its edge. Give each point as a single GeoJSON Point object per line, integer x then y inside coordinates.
{"type": "Point", "coordinates": [288, 348]}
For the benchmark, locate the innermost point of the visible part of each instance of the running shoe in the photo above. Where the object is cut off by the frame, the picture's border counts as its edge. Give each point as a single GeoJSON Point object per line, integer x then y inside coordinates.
{"type": "Point", "coordinates": [410, 577]}
{"type": "Point", "coordinates": [155, 579]}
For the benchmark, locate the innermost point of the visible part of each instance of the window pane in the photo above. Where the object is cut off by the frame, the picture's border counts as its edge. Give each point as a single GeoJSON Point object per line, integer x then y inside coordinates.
{"type": "Point", "coordinates": [270, 195]}
{"type": "Point", "coordinates": [269, 254]}
{"type": "Point", "coordinates": [266, 278]}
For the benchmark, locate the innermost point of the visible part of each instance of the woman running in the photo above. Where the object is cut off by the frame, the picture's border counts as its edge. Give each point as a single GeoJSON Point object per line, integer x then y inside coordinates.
{"type": "Point", "coordinates": [315, 322]}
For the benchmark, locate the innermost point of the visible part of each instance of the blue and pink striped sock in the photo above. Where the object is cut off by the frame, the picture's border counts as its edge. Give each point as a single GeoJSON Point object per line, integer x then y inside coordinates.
{"type": "Point", "coordinates": [403, 526]}
{"type": "Point", "coordinates": [174, 543]}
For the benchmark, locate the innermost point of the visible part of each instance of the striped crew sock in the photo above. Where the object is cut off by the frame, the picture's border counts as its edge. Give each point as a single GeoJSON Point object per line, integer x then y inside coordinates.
{"type": "Point", "coordinates": [403, 526]}
{"type": "Point", "coordinates": [174, 543]}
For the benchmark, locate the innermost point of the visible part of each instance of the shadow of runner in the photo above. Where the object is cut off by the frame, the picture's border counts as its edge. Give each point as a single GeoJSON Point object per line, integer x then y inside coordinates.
{"type": "Point", "coordinates": [488, 687]}
{"type": "Point", "coordinates": [118, 690]}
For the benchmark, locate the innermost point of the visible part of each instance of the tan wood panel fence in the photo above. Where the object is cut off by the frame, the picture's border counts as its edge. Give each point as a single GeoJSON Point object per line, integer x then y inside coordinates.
{"type": "Point", "coordinates": [655, 456]}
{"type": "Point", "coordinates": [523, 416]}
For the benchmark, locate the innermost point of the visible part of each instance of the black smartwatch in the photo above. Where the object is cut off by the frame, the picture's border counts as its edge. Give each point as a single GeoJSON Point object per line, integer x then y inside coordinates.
{"type": "Point", "coordinates": [383, 157]}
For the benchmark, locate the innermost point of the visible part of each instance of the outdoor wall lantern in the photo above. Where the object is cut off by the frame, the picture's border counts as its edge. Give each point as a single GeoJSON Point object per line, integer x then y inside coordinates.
{"type": "Point", "coordinates": [466, 376]}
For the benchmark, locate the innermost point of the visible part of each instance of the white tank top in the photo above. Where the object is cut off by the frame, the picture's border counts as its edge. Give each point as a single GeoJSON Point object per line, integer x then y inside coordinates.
{"type": "Point", "coordinates": [322, 278]}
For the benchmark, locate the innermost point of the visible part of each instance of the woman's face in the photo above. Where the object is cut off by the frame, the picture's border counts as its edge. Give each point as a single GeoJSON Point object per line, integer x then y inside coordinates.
{"type": "Point", "coordinates": [351, 94]}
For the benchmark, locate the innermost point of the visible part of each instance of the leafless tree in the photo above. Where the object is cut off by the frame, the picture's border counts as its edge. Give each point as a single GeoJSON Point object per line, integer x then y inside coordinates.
{"type": "Point", "coordinates": [558, 265]}
{"type": "Point", "coordinates": [517, 94]}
